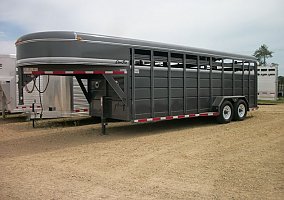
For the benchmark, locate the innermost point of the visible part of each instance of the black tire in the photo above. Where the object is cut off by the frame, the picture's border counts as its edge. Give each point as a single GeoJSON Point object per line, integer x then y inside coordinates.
{"type": "Point", "coordinates": [240, 110]}
{"type": "Point", "coordinates": [226, 113]}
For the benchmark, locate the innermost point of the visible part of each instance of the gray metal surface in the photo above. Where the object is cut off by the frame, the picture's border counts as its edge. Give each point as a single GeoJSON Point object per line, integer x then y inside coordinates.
{"type": "Point", "coordinates": [220, 99]}
{"type": "Point", "coordinates": [79, 100]}
{"type": "Point", "coordinates": [114, 107]}
{"type": "Point", "coordinates": [115, 86]}
{"type": "Point", "coordinates": [78, 45]}
{"type": "Point", "coordinates": [201, 86]}
{"type": "Point", "coordinates": [58, 95]}
{"type": "Point", "coordinates": [268, 82]}
{"type": "Point", "coordinates": [30, 92]}
{"type": "Point", "coordinates": [81, 86]}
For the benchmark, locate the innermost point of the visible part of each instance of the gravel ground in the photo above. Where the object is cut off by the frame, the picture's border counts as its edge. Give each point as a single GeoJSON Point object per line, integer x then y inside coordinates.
{"type": "Point", "coordinates": [180, 159]}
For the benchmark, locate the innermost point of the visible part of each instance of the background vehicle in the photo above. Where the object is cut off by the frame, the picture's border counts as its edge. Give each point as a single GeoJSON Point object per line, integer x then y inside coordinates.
{"type": "Point", "coordinates": [62, 97]}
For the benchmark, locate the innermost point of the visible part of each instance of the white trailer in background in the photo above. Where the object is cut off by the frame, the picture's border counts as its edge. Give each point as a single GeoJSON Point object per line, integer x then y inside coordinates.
{"type": "Point", "coordinates": [267, 82]}
{"type": "Point", "coordinates": [62, 97]}
{"type": "Point", "coordinates": [7, 83]}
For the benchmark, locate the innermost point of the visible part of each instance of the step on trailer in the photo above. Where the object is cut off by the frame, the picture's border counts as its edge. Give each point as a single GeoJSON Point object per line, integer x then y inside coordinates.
{"type": "Point", "coordinates": [141, 81]}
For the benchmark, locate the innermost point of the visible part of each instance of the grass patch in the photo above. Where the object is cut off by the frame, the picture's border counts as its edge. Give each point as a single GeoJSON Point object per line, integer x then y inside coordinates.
{"type": "Point", "coordinates": [270, 102]}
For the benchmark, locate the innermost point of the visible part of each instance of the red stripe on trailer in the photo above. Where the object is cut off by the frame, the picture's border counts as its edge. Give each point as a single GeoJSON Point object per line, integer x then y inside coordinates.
{"type": "Point", "coordinates": [98, 72]}
{"type": "Point", "coordinates": [208, 114]}
{"type": "Point", "coordinates": [58, 72]}
{"type": "Point", "coordinates": [81, 110]}
{"type": "Point", "coordinates": [176, 117]}
{"type": "Point", "coordinates": [26, 107]}
{"type": "Point", "coordinates": [141, 120]}
{"type": "Point", "coordinates": [214, 114]}
{"type": "Point", "coordinates": [78, 72]}
{"type": "Point", "coordinates": [23, 107]}
{"type": "Point", "coordinates": [169, 117]}
{"type": "Point", "coordinates": [37, 72]}
{"type": "Point", "coordinates": [156, 119]}
{"type": "Point", "coordinates": [193, 115]}
{"type": "Point", "coordinates": [119, 72]}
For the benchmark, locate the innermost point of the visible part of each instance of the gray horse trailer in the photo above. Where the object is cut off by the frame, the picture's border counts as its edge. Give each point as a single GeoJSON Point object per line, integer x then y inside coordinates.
{"type": "Point", "coordinates": [141, 81]}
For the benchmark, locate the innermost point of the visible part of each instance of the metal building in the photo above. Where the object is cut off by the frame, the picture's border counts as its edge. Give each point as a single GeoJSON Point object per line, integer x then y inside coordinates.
{"type": "Point", "coordinates": [141, 81]}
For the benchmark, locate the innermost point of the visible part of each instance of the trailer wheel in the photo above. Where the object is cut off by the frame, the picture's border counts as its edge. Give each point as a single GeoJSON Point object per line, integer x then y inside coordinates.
{"type": "Point", "coordinates": [226, 113]}
{"type": "Point", "coordinates": [240, 110]}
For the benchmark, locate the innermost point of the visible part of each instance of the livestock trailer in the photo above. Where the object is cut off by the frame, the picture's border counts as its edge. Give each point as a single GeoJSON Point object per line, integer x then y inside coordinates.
{"type": "Point", "coordinates": [142, 81]}
{"type": "Point", "coordinates": [7, 83]}
{"type": "Point", "coordinates": [267, 82]}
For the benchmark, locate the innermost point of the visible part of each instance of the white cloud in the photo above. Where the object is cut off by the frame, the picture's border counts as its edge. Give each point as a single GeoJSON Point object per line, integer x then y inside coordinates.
{"type": "Point", "coordinates": [2, 34]}
{"type": "Point", "coordinates": [7, 47]}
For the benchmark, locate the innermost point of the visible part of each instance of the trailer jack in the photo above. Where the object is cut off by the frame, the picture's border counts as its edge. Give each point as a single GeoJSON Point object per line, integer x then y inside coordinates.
{"type": "Point", "coordinates": [103, 118]}
{"type": "Point", "coordinates": [104, 124]}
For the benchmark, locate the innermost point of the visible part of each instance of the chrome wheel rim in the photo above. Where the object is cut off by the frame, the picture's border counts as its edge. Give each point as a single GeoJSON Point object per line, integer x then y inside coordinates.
{"type": "Point", "coordinates": [227, 112]}
{"type": "Point", "coordinates": [241, 110]}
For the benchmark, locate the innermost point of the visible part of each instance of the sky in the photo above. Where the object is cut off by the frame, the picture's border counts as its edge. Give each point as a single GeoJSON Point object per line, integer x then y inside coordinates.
{"type": "Point", "coordinates": [235, 26]}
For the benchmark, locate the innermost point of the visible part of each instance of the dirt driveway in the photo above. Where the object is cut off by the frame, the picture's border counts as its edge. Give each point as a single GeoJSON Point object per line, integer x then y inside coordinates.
{"type": "Point", "coordinates": [180, 159]}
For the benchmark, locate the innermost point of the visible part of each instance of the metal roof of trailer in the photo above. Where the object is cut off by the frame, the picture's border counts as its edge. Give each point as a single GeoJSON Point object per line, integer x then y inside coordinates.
{"type": "Point", "coordinates": [135, 43]}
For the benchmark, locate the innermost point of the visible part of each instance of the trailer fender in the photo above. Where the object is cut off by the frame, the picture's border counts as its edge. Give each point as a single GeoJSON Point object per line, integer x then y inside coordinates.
{"type": "Point", "coordinates": [220, 99]}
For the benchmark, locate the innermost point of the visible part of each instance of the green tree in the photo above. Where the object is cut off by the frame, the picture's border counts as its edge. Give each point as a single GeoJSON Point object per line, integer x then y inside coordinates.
{"type": "Point", "coordinates": [262, 54]}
